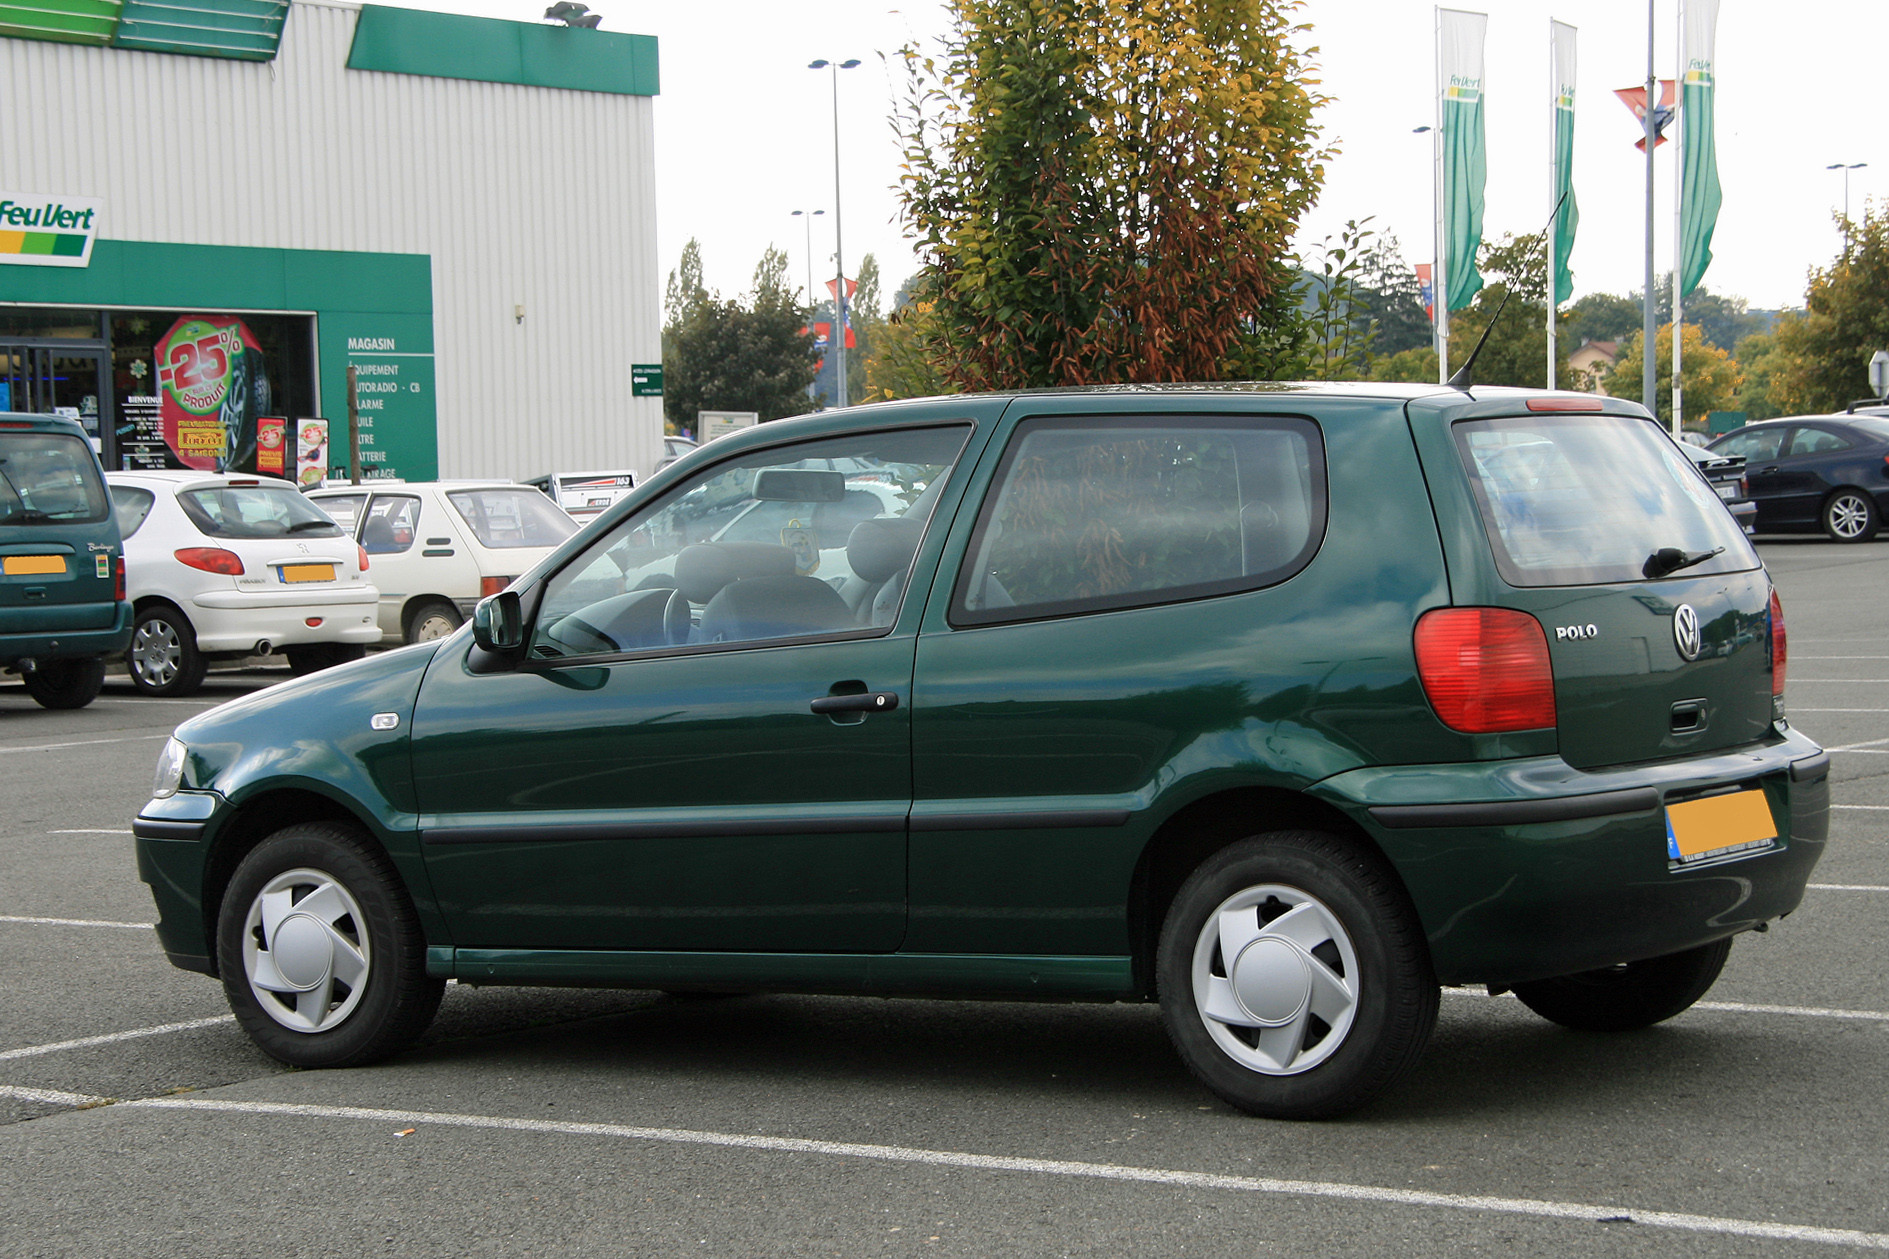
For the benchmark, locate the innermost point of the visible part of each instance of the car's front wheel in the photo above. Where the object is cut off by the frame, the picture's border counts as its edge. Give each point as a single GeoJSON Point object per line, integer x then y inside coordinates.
{"type": "Point", "coordinates": [65, 683]}
{"type": "Point", "coordinates": [163, 659]}
{"type": "Point", "coordinates": [1293, 976]}
{"type": "Point", "coordinates": [1850, 516]}
{"type": "Point", "coordinates": [320, 949]}
{"type": "Point", "coordinates": [1630, 996]}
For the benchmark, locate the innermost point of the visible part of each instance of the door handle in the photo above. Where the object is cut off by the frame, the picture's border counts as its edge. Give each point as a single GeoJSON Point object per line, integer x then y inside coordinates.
{"type": "Point", "coordinates": [870, 702]}
{"type": "Point", "coordinates": [1772, 468]}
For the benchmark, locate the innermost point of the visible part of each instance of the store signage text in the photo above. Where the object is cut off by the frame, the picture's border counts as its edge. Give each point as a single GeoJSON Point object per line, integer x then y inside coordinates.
{"type": "Point", "coordinates": [46, 231]}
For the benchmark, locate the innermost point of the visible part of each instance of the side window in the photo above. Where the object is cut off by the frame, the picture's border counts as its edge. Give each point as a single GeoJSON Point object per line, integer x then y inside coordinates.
{"type": "Point", "coordinates": [344, 509]}
{"type": "Point", "coordinates": [1758, 443]}
{"type": "Point", "coordinates": [1816, 441]}
{"type": "Point", "coordinates": [391, 523]}
{"type": "Point", "coordinates": [1092, 514]}
{"type": "Point", "coordinates": [791, 541]}
{"type": "Point", "coordinates": [131, 505]}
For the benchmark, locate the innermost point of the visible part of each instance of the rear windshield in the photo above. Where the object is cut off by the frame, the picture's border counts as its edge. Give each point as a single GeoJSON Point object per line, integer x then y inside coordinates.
{"type": "Point", "coordinates": [256, 511]}
{"type": "Point", "coordinates": [513, 516]}
{"type": "Point", "coordinates": [1583, 500]}
{"type": "Point", "coordinates": [49, 478]}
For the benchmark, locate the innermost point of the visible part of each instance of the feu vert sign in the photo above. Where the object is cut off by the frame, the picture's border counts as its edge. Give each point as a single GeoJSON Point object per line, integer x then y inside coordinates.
{"type": "Point", "coordinates": [645, 380]}
{"type": "Point", "coordinates": [47, 231]}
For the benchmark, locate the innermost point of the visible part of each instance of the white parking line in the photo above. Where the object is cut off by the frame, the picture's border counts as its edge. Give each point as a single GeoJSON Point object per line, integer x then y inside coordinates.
{"type": "Point", "coordinates": [82, 743]}
{"type": "Point", "coordinates": [1709, 1224]}
{"type": "Point", "coordinates": [1874, 808]}
{"type": "Point", "coordinates": [1795, 709]}
{"type": "Point", "coordinates": [1840, 887]}
{"type": "Point", "coordinates": [1865, 746]}
{"type": "Point", "coordinates": [51, 1096]}
{"type": "Point", "coordinates": [1796, 658]}
{"type": "Point", "coordinates": [80, 922]}
{"type": "Point", "coordinates": [84, 1042]}
{"type": "Point", "coordinates": [1798, 1011]}
{"type": "Point", "coordinates": [127, 831]}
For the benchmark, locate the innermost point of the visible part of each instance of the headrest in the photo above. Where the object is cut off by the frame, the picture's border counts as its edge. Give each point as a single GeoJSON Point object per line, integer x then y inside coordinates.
{"type": "Point", "coordinates": [703, 569]}
{"type": "Point", "coordinates": [773, 607]}
{"type": "Point", "coordinates": [377, 536]}
{"type": "Point", "coordinates": [879, 548]}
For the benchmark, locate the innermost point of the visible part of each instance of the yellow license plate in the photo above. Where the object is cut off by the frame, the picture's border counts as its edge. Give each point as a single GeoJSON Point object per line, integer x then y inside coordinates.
{"type": "Point", "coordinates": [308, 572]}
{"type": "Point", "coordinates": [30, 565]}
{"type": "Point", "coordinates": [1719, 826]}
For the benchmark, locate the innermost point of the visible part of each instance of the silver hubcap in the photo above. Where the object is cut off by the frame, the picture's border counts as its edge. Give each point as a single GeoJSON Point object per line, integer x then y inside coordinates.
{"type": "Point", "coordinates": [1848, 516]}
{"type": "Point", "coordinates": [156, 652]}
{"type": "Point", "coordinates": [433, 625]}
{"type": "Point", "coordinates": [1275, 979]}
{"type": "Point", "coordinates": [305, 951]}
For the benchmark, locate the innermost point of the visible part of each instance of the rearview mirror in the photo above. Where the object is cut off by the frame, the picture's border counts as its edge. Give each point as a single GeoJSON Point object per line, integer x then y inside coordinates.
{"type": "Point", "coordinates": [799, 485]}
{"type": "Point", "coordinates": [498, 622]}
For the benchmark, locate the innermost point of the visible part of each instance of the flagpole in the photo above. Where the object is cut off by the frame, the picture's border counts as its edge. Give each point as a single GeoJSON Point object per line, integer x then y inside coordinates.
{"type": "Point", "coordinates": [1679, 218]}
{"type": "Point", "coordinates": [1649, 396]}
{"type": "Point", "coordinates": [1439, 276]}
{"type": "Point", "coordinates": [1554, 185]}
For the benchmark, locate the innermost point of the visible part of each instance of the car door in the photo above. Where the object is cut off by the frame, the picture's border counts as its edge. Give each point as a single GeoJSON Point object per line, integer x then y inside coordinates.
{"type": "Point", "coordinates": [1762, 447]}
{"type": "Point", "coordinates": [706, 745]}
{"type": "Point", "coordinates": [389, 531]}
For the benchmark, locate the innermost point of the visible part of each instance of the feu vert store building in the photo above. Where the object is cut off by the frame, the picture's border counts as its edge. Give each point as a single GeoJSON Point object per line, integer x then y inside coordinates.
{"type": "Point", "coordinates": [211, 209]}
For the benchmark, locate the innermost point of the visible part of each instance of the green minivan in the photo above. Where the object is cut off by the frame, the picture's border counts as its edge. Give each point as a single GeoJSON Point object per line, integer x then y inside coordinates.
{"type": "Point", "coordinates": [62, 563]}
{"type": "Point", "coordinates": [1281, 706]}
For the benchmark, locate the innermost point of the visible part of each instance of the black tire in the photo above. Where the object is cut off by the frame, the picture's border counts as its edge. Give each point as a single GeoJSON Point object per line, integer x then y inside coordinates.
{"type": "Point", "coordinates": [163, 659]}
{"type": "Point", "coordinates": [426, 621]}
{"type": "Point", "coordinates": [66, 683]}
{"type": "Point", "coordinates": [1628, 997]}
{"type": "Point", "coordinates": [1390, 1002]}
{"type": "Point", "coordinates": [313, 659]}
{"type": "Point", "coordinates": [1850, 516]}
{"type": "Point", "coordinates": [395, 1000]}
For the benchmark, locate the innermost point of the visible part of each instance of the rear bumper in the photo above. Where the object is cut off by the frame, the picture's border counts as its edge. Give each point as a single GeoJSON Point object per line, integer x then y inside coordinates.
{"type": "Point", "coordinates": [68, 644]}
{"type": "Point", "coordinates": [1526, 869]}
{"type": "Point", "coordinates": [232, 621]}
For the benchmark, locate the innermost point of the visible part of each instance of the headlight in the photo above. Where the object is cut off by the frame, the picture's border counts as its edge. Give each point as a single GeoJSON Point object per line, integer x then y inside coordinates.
{"type": "Point", "coordinates": [170, 769]}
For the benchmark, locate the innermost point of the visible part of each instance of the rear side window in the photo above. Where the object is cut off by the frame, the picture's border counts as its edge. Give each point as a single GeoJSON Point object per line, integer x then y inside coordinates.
{"type": "Point", "coordinates": [1816, 441]}
{"type": "Point", "coordinates": [391, 523]}
{"type": "Point", "coordinates": [513, 516]}
{"type": "Point", "coordinates": [255, 511]}
{"type": "Point", "coordinates": [345, 508]}
{"type": "Point", "coordinates": [49, 478]}
{"type": "Point", "coordinates": [1753, 444]}
{"type": "Point", "coordinates": [132, 505]}
{"type": "Point", "coordinates": [1093, 514]}
{"type": "Point", "coordinates": [1585, 500]}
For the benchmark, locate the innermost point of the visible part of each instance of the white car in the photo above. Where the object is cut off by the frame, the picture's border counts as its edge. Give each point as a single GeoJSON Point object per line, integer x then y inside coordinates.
{"type": "Point", "coordinates": [585, 494]}
{"type": "Point", "coordinates": [227, 566]}
{"type": "Point", "coordinates": [438, 547]}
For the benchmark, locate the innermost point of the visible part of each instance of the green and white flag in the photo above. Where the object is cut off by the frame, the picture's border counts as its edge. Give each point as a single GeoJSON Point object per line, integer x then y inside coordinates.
{"type": "Point", "coordinates": [1698, 182]}
{"type": "Point", "coordinates": [1459, 38]}
{"type": "Point", "coordinates": [1561, 177]}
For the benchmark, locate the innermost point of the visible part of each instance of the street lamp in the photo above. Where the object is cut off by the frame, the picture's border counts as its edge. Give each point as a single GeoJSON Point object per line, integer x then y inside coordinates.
{"type": "Point", "coordinates": [809, 215]}
{"type": "Point", "coordinates": [1846, 197]}
{"type": "Point", "coordinates": [839, 253]}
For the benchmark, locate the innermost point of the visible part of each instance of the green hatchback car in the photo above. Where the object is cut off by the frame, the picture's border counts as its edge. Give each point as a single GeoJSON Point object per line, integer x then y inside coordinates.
{"type": "Point", "coordinates": [1278, 705]}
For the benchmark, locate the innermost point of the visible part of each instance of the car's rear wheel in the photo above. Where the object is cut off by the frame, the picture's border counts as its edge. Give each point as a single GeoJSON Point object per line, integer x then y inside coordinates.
{"type": "Point", "coordinates": [1293, 976]}
{"type": "Point", "coordinates": [1630, 996]}
{"type": "Point", "coordinates": [319, 656]}
{"type": "Point", "coordinates": [436, 618]}
{"type": "Point", "coordinates": [163, 659]}
{"type": "Point", "coordinates": [65, 683]}
{"type": "Point", "coordinates": [1850, 516]}
{"type": "Point", "coordinates": [320, 949]}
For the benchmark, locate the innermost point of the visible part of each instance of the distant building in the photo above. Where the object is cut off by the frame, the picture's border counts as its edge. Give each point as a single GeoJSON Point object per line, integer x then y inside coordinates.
{"type": "Point", "coordinates": [1588, 366]}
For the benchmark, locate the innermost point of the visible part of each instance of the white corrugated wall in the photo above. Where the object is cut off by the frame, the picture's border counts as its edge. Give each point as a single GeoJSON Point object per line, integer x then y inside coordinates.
{"type": "Point", "coordinates": [526, 196]}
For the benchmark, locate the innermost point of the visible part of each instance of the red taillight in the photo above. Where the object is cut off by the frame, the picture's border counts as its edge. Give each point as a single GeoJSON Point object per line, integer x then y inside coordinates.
{"type": "Point", "coordinates": [1744, 485]}
{"type": "Point", "coordinates": [1564, 404]}
{"type": "Point", "coordinates": [492, 585]}
{"type": "Point", "coordinates": [118, 576]}
{"type": "Point", "coordinates": [362, 551]}
{"type": "Point", "coordinates": [212, 559]}
{"type": "Point", "coordinates": [1778, 652]}
{"type": "Point", "coordinates": [1486, 670]}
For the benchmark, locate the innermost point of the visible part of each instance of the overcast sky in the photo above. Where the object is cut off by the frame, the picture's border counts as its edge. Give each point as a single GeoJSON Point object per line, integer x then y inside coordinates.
{"type": "Point", "coordinates": [744, 131]}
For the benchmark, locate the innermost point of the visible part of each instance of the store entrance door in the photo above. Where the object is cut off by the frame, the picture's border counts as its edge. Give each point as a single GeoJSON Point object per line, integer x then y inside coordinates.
{"type": "Point", "coordinates": [58, 378]}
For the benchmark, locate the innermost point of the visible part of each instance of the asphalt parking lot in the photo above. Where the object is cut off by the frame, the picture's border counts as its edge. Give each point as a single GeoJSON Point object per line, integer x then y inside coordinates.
{"type": "Point", "coordinates": [136, 1119]}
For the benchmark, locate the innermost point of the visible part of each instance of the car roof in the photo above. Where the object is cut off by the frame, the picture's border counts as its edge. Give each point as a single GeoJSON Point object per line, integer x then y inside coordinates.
{"type": "Point", "coordinates": [181, 478]}
{"type": "Point", "coordinates": [42, 423]}
{"type": "Point", "coordinates": [365, 487]}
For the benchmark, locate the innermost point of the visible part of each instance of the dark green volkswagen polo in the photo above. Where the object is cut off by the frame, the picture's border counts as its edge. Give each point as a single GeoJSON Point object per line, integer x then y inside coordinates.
{"type": "Point", "coordinates": [1280, 706]}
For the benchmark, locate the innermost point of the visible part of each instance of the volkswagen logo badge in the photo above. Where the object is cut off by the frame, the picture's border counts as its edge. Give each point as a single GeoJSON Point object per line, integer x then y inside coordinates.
{"type": "Point", "coordinates": [1686, 631]}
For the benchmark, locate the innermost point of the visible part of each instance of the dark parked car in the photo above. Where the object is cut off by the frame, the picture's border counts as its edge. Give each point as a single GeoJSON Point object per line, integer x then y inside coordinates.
{"type": "Point", "coordinates": [1277, 706]}
{"type": "Point", "coordinates": [1810, 472]}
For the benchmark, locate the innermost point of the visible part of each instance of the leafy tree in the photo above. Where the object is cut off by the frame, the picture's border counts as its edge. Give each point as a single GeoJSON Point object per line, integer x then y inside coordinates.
{"type": "Point", "coordinates": [1104, 190]}
{"type": "Point", "coordinates": [1342, 329]}
{"type": "Point", "coordinates": [1824, 356]}
{"type": "Point", "coordinates": [1415, 366]}
{"type": "Point", "coordinates": [1390, 296]}
{"type": "Point", "coordinates": [1603, 317]}
{"type": "Point", "coordinates": [1610, 317]}
{"type": "Point", "coordinates": [1758, 358]}
{"type": "Point", "coordinates": [723, 355]}
{"type": "Point", "coordinates": [902, 363]}
{"type": "Point", "coordinates": [1516, 268]}
{"type": "Point", "coordinates": [1710, 376]}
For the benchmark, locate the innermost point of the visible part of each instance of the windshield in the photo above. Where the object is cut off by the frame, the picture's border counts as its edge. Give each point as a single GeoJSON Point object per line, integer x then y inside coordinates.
{"type": "Point", "coordinates": [512, 516]}
{"type": "Point", "coordinates": [255, 511]}
{"type": "Point", "coordinates": [1584, 500]}
{"type": "Point", "coordinates": [49, 478]}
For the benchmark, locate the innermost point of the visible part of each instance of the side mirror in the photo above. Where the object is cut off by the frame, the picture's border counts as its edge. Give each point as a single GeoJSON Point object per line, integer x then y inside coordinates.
{"type": "Point", "coordinates": [498, 622]}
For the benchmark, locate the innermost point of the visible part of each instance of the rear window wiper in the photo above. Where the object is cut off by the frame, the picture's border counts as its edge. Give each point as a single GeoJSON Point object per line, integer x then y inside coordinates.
{"type": "Point", "coordinates": [300, 525]}
{"type": "Point", "coordinates": [1670, 559]}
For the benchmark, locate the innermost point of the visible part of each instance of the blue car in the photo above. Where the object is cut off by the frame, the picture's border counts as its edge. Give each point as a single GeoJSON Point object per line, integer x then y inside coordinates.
{"type": "Point", "coordinates": [1811, 472]}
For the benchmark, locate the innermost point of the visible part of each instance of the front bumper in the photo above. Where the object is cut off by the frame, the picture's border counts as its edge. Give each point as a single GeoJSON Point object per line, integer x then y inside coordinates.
{"type": "Point", "coordinates": [167, 835]}
{"type": "Point", "coordinates": [1526, 869]}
